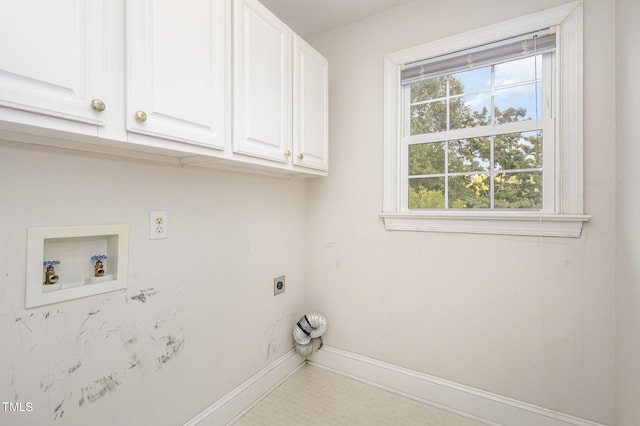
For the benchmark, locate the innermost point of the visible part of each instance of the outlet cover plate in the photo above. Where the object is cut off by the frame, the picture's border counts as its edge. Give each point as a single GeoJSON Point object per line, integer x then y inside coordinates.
{"type": "Point", "coordinates": [278, 285]}
{"type": "Point", "coordinates": [158, 225]}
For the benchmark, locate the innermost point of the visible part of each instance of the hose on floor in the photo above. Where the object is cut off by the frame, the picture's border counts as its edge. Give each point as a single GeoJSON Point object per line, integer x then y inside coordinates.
{"type": "Point", "coordinates": [309, 328]}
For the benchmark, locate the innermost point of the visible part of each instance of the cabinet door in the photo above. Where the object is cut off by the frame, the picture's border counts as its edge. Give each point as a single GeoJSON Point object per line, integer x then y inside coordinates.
{"type": "Point", "coordinates": [52, 57]}
{"type": "Point", "coordinates": [262, 83]}
{"type": "Point", "coordinates": [310, 107]}
{"type": "Point", "coordinates": [176, 69]}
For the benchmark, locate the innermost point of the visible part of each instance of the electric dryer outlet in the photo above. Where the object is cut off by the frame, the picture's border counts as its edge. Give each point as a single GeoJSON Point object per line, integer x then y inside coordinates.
{"type": "Point", "coordinates": [278, 285]}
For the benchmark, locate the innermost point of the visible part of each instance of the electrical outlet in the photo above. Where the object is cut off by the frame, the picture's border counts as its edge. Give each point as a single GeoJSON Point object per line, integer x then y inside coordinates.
{"type": "Point", "coordinates": [157, 225]}
{"type": "Point", "coordinates": [278, 285]}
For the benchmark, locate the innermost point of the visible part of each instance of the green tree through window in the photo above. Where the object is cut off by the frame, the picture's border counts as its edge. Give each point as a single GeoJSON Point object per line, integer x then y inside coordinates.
{"type": "Point", "coordinates": [497, 170]}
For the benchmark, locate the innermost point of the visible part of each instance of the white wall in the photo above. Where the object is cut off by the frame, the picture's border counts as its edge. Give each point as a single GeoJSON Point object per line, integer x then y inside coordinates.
{"type": "Point", "coordinates": [527, 318]}
{"type": "Point", "coordinates": [628, 205]}
{"type": "Point", "coordinates": [211, 314]}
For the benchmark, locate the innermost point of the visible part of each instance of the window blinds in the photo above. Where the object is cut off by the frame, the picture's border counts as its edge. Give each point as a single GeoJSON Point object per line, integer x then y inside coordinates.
{"type": "Point", "coordinates": [539, 42]}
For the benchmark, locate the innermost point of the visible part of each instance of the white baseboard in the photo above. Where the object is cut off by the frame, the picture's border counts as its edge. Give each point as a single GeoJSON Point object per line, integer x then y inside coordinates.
{"type": "Point", "coordinates": [245, 396]}
{"type": "Point", "coordinates": [460, 399]}
{"type": "Point", "coordinates": [474, 403]}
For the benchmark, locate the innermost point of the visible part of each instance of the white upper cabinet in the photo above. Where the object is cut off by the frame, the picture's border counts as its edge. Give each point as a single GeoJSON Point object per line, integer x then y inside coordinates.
{"type": "Point", "coordinates": [262, 83]}
{"type": "Point", "coordinates": [310, 107]}
{"type": "Point", "coordinates": [177, 55]}
{"type": "Point", "coordinates": [219, 83]}
{"type": "Point", "coordinates": [52, 58]}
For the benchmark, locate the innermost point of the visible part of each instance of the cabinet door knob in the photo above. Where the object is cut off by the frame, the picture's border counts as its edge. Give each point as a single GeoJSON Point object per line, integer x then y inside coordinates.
{"type": "Point", "coordinates": [98, 105]}
{"type": "Point", "coordinates": [300, 156]}
{"type": "Point", "coordinates": [287, 153]}
{"type": "Point", "coordinates": [141, 116]}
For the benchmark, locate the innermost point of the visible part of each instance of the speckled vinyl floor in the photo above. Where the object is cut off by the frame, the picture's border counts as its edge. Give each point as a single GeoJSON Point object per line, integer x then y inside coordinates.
{"type": "Point", "coordinates": [315, 396]}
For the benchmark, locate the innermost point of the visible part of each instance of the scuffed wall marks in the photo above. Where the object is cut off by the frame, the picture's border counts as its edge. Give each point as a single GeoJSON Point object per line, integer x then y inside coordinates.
{"type": "Point", "coordinates": [58, 412]}
{"type": "Point", "coordinates": [93, 348]}
{"type": "Point", "coordinates": [144, 295]}
{"type": "Point", "coordinates": [99, 388]}
{"type": "Point", "coordinates": [172, 345]}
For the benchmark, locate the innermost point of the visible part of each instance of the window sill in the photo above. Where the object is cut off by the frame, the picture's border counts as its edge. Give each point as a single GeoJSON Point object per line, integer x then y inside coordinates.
{"type": "Point", "coordinates": [496, 223]}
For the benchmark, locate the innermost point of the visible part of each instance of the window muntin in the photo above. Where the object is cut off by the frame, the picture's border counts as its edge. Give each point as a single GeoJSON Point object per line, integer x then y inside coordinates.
{"type": "Point", "coordinates": [475, 138]}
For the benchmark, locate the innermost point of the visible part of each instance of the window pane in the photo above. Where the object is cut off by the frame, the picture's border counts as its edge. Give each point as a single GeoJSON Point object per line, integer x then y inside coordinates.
{"type": "Point", "coordinates": [426, 158]}
{"type": "Point", "coordinates": [429, 117]}
{"type": "Point", "coordinates": [470, 111]}
{"type": "Point", "coordinates": [470, 155]}
{"type": "Point", "coordinates": [470, 81]}
{"type": "Point", "coordinates": [426, 193]}
{"type": "Point", "coordinates": [489, 171]}
{"type": "Point", "coordinates": [470, 192]}
{"type": "Point", "coordinates": [519, 71]}
{"type": "Point", "coordinates": [518, 103]}
{"type": "Point", "coordinates": [433, 88]}
{"type": "Point", "coordinates": [522, 150]}
{"type": "Point", "coordinates": [518, 190]}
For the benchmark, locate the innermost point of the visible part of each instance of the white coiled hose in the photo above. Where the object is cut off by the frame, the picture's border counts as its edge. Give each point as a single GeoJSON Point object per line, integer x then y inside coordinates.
{"type": "Point", "coordinates": [310, 326]}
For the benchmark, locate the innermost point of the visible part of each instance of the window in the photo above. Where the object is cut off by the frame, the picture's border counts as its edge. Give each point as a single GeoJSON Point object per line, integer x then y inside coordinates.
{"type": "Point", "coordinates": [483, 131]}
{"type": "Point", "coordinates": [476, 125]}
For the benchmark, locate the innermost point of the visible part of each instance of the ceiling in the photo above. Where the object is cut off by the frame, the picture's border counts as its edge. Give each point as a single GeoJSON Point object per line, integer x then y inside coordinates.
{"type": "Point", "coordinates": [308, 17]}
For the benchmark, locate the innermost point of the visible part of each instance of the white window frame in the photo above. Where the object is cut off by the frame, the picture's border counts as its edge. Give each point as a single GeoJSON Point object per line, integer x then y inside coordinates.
{"type": "Point", "coordinates": [567, 217]}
